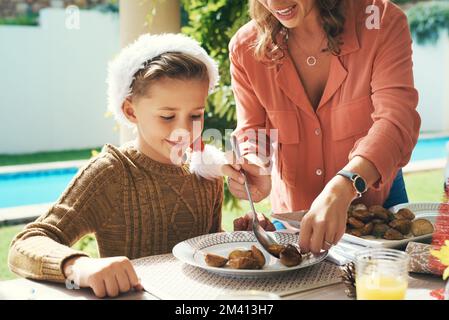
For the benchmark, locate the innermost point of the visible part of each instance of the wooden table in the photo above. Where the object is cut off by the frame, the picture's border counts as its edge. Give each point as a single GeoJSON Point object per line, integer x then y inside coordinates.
{"type": "Point", "coordinates": [23, 289]}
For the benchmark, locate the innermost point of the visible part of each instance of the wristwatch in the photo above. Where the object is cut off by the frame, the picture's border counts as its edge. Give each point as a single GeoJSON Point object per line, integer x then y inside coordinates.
{"type": "Point", "coordinates": [358, 182]}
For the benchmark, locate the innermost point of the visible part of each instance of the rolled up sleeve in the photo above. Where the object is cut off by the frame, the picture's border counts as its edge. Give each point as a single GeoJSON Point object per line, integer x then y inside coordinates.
{"type": "Point", "coordinates": [391, 139]}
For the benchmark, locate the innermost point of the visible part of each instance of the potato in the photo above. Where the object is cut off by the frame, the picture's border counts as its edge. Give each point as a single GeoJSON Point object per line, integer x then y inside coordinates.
{"type": "Point", "coordinates": [213, 260]}
{"type": "Point", "coordinates": [258, 256]}
{"type": "Point", "coordinates": [402, 225]}
{"type": "Point", "coordinates": [360, 206]}
{"type": "Point", "coordinates": [367, 229]}
{"type": "Point", "coordinates": [379, 212]}
{"type": "Point", "coordinates": [363, 215]}
{"type": "Point", "coordinates": [243, 263]}
{"type": "Point", "coordinates": [421, 227]}
{"type": "Point", "coordinates": [275, 249]}
{"type": "Point", "coordinates": [356, 232]}
{"type": "Point", "coordinates": [356, 223]}
{"type": "Point", "coordinates": [379, 230]}
{"type": "Point", "coordinates": [378, 221]}
{"type": "Point", "coordinates": [393, 234]}
{"type": "Point", "coordinates": [290, 256]}
{"type": "Point", "coordinates": [240, 254]}
{"type": "Point", "coordinates": [391, 216]}
{"type": "Point", "coordinates": [405, 214]}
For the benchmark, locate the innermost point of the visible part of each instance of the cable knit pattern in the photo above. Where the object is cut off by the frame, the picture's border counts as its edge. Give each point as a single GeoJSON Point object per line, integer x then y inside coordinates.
{"type": "Point", "coordinates": [135, 206]}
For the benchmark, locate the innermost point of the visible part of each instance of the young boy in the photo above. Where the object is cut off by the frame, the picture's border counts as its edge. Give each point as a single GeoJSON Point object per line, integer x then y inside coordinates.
{"type": "Point", "coordinates": [139, 199]}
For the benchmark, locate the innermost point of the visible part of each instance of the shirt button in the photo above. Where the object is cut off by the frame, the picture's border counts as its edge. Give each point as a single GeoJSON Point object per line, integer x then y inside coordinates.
{"type": "Point", "coordinates": [319, 172]}
{"type": "Point", "coordinates": [317, 131]}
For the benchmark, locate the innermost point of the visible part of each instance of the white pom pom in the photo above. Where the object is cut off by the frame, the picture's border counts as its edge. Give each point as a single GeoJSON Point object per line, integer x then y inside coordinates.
{"type": "Point", "coordinates": [208, 163]}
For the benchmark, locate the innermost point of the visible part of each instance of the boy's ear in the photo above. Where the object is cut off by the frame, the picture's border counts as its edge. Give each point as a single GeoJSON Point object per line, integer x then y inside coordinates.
{"type": "Point", "coordinates": [128, 110]}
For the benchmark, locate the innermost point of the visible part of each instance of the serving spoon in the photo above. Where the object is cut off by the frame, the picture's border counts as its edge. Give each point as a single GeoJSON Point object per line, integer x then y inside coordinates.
{"type": "Point", "coordinates": [263, 237]}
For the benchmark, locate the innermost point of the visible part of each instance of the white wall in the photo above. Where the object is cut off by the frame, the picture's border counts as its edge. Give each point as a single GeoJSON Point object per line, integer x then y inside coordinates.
{"type": "Point", "coordinates": [53, 91]}
{"type": "Point", "coordinates": [52, 83]}
{"type": "Point", "coordinates": [431, 71]}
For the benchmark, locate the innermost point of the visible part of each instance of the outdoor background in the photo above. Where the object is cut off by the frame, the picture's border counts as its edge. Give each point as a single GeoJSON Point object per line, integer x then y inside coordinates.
{"type": "Point", "coordinates": [53, 91]}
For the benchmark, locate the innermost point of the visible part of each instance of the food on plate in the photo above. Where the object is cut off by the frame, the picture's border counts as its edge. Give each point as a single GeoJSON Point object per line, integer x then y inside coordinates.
{"type": "Point", "coordinates": [258, 256]}
{"type": "Point", "coordinates": [380, 229]}
{"type": "Point", "coordinates": [402, 225]}
{"type": "Point", "coordinates": [290, 256]}
{"type": "Point", "coordinates": [362, 214]}
{"type": "Point", "coordinates": [421, 227]}
{"type": "Point", "coordinates": [275, 249]}
{"type": "Point", "coordinates": [236, 254]}
{"type": "Point", "coordinates": [360, 206]}
{"type": "Point", "coordinates": [379, 212]}
{"type": "Point", "coordinates": [393, 234]}
{"type": "Point", "coordinates": [254, 258]}
{"type": "Point", "coordinates": [244, 263]}
{"type": "Point", "coordinates": [356, 232]}
{"type": "Point", "coordinates": [214, 260]}
{"type": "Point", "coordinates": [355, 223]}
{"type": "Point", "coordinates": [381, 223]}
{"type": "Point", "coordinates": [367, 229]}
{"type": "Point", "coordinates": [405, 214]}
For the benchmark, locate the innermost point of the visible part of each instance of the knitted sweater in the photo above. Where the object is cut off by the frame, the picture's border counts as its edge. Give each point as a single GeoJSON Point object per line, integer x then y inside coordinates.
{"type": "Point", "coordinates": [135, 206]}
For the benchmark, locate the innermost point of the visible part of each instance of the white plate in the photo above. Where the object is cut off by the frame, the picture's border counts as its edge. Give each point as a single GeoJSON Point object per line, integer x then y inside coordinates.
{"type": "Point", "coordinates": [193, 252]}
{"type": "Point", "coordinates": [425, 210]}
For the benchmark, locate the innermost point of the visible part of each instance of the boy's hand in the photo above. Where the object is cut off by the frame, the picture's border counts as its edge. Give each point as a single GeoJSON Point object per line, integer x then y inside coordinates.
{"type": "Point", "coordinates": [106, 276]}
{"type": "Point", "coordinates": [245, 223]}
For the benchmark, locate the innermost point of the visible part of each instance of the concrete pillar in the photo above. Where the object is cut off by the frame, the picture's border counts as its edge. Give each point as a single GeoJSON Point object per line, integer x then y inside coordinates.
{"type": "Point", "coordinates": [136, 18]}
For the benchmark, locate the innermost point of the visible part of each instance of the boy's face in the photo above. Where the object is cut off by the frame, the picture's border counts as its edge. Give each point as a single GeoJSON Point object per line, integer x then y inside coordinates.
{"type": "Point", "coordinates": [165, 117]}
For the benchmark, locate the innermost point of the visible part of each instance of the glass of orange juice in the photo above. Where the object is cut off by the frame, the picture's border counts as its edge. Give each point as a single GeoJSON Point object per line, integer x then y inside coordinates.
{"type": "Point", "coordinates": [381, 274]}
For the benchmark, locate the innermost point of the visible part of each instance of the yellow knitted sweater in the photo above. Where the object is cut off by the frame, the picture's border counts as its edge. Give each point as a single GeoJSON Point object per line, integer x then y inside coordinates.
{"type": "Point", "coordinates": [135, 206]}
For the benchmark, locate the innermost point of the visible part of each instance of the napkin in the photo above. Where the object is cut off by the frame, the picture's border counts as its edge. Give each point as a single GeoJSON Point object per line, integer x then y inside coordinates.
{"type": "Point", "coordinates": [421, 261]}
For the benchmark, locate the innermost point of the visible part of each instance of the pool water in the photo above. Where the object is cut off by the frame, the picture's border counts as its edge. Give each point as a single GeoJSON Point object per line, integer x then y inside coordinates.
{"type": "Point", "coordinates": [27, 188]}
{"type": "Point", "coordinates": [428, 149]}
{"type": "Point", "coordinates": [19, 189]}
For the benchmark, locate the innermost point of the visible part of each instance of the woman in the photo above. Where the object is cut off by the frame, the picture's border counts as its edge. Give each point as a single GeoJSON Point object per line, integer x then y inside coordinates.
{"type": "Point", "coordinates": [335, 78]}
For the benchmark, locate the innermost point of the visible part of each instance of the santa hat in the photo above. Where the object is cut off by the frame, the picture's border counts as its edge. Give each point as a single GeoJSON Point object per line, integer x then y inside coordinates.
{"type": "Point", "coordinates": [131, 59]}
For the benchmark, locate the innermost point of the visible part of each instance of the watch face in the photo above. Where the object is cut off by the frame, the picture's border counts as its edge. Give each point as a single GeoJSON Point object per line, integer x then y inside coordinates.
{"type": "Point", "coordinates": [360, 184]}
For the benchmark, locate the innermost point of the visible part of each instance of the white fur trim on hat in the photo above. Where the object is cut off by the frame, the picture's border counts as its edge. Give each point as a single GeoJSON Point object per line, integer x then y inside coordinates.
{"type": "Point", "coordinates": [207, 163]}
{"type": "Point", "coordinates": [132, 58]}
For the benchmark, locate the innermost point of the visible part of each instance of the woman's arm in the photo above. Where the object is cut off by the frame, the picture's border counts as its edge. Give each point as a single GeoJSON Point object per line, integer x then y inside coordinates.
{"type": "Point", "coordinates": [251, 117]}
{"type": "Point", "coordinates": [387, 147]}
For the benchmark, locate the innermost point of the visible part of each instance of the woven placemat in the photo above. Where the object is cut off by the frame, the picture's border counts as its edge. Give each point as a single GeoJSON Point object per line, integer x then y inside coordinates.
{"type": "Point", "coordinates": [166, 277]}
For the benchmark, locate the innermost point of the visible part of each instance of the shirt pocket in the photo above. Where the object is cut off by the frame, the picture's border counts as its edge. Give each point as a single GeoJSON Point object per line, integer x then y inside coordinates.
{"type": "Point", "coordinates": [286, 122]}
{"type": "Point", "coordinates": [350, 121]}
{"type": "Point", "coordinates": [352, 118]}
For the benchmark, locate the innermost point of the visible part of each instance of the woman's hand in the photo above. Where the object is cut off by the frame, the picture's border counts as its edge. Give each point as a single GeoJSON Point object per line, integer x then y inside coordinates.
{"type": "Point", "coordinates": [325, 223]}
{"type": "Point", "coordinates": [106, 276]}
{"type": "Point", "coordinates": [245, 223]}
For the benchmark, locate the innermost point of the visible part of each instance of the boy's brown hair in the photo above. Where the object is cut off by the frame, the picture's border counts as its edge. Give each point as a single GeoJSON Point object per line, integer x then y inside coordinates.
{"type": "Point", "coordinates": [172, 65]}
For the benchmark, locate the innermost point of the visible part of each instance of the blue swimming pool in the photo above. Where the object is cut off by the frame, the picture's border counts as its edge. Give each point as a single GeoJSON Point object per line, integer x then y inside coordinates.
{"type": "Point", "coordinates": [27, 188]}
{"type": "Point", "coordinates": [430, 148]}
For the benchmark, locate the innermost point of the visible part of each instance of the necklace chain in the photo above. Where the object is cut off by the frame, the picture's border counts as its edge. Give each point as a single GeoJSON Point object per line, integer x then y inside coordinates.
{"type": "Point", "coordinates": [311, 59]}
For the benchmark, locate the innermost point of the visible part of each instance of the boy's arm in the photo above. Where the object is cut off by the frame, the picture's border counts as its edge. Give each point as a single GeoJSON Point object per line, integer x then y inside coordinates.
{"type": "Point", "coordinates": [40, 250]}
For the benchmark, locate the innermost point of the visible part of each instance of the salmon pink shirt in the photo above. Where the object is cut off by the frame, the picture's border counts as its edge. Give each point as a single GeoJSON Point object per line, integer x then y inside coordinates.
{"type": "Point", "coordinates": [368, 107]}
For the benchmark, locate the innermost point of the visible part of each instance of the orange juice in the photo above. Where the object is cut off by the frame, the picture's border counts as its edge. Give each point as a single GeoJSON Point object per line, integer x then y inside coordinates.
{"type": "Point", "coordinates": [381, 287]}
{"type": "Point", "coordinates": [381, 274]}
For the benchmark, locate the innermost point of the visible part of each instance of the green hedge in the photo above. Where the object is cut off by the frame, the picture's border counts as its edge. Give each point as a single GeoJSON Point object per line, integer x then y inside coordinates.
{"type": "Point", "coordinates": [428, 19]}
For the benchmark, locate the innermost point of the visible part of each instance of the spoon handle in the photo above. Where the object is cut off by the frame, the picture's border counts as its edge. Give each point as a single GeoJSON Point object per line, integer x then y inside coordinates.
{"type": "Point", "coordinates": [236, 150]}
